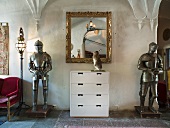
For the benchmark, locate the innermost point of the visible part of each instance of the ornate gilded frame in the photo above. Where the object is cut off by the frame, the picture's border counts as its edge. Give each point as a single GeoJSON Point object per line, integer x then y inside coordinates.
{"type": "Point", "coordinates": [108, 16]}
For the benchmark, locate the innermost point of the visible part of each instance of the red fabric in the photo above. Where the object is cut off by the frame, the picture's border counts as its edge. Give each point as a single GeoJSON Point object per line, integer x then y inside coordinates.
{"type": "Point", "coordinates": [10, 88]}
{"type": "Point", "coordinates": [12, 102]}
{"type": "Point", "coordinates": [12, 93]}
{"type": "Point", "coordinates": [162, 92]}
{"type": "Point", "coordinates": [5, 99]}
{"type": "Point", "coordinates": [10, 85]}
{"type": "Point", "coordinates": [1, 83]}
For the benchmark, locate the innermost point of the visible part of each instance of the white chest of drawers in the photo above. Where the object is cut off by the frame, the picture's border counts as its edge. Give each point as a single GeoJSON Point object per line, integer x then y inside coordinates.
{"type": "Point", "coordinates": [89, 94]}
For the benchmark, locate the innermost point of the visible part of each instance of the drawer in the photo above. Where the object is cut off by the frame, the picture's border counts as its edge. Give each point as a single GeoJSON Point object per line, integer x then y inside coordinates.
{"type": "Point", "coordinates": [89, 111]}
{"type": "Point", "coordinates": [89, 99]}
{"type": "Point", "coordinates": [89, 77]}
{"type": "Point", "coordinates": [89, 88]}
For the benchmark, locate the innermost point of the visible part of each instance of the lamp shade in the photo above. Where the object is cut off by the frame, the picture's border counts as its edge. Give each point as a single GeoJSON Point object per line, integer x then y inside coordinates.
{"type": "Point", "coordinates": [21, 45]}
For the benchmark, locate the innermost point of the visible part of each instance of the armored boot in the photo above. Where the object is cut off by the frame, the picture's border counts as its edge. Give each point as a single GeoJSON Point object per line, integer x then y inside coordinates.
{"type": "Point", "coordinates": [35, 96]}
{"type": "Point", "coordinates": [34, 108]}
{"type": "Point", "coordinates": [45, 93]}
{"type": "Point", "coordinates": [142, 100]}
{"type": "Point", "coordinates": [151, 108]}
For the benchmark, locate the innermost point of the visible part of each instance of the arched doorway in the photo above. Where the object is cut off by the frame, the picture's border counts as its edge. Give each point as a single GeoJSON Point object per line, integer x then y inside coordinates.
{"type": "Point", "coordinates": [163, 39]}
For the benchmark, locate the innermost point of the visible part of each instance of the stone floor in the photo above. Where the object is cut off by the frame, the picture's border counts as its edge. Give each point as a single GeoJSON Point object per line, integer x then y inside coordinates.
{"type": "Point", "coordinates": [62, 119]}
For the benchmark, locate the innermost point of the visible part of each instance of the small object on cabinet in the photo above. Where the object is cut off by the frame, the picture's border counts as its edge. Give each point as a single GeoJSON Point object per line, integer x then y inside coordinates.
{"type": "Point", "coordinates": [97, 61]}
{"type": "Point", "coordinates": [78, 53]}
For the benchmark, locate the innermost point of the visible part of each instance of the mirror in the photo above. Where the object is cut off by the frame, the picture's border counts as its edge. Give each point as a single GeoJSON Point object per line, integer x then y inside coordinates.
{"type": "Point", "coordinates": [87, 32]}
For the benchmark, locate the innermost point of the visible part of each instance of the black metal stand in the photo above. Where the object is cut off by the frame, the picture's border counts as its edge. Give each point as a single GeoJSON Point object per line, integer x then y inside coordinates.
{"type": "Point", "coordinates": [21, 103]}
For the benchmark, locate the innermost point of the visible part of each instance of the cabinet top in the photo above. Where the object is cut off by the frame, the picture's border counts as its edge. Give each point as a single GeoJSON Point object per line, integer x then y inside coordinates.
{"type": "Point", "coordinates": [90, 71]}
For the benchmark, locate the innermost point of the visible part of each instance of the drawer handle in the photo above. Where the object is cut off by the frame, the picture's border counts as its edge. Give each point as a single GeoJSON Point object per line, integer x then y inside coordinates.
{"type": "Point", "coordinates": [99, 73]}
{"type": "Point", "coordinates": [80, 94]}
{"type": "Point", "coordinates": [80, 73]}
{"type": "Point", "coordinates": [80, 105]}
{"type": "Point", "coordinates": [80, 83]}
{"type": "Point", "coordinates": [98, 84]}
{"type": "Point", "coordinates": [98, 95]}
{"type": "Point", "coordinates": [98, 105]}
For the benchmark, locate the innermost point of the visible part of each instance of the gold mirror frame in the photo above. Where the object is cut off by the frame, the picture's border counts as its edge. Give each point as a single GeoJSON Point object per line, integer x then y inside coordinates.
{"type": "Point", "coordinates": [108, 16]}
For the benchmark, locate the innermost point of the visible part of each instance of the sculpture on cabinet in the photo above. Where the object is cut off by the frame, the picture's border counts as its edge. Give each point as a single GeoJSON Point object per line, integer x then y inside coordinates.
{"type": "Point", "coordinates": [96, 61]}
{"type": "Point", "coordinates": [40, 64]}
{"type": "Point", "coordinates": [151, 65]}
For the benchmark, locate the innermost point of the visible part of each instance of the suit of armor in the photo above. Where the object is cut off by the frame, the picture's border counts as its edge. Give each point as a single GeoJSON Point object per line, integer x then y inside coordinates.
{"type": "Point", "coordinates": [40, 64]}
{"type": "Point", "coordinates": [151, 65]}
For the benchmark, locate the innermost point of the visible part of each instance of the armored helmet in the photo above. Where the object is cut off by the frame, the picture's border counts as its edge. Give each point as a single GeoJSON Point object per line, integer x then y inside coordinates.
{"type": "Point", "coordinates": [38, 43]}
{"type": "Point", "coordinates": [153, 44]}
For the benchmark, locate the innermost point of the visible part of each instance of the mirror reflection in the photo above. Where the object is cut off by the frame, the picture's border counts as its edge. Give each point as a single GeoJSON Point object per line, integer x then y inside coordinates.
{"type": "Point", "coordinates": [91, 38]}
{"type": "Point", "coordinates": [88, 32]}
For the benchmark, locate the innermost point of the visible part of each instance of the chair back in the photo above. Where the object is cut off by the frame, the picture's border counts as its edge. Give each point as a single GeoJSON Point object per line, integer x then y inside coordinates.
{"type": "Point", "coordinates": [1, 84]}
{"type": "Point", "coordinates": [10, 84]}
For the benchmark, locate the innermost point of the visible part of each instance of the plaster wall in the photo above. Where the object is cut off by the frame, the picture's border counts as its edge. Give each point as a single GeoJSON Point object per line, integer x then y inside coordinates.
{"type": "Point", "coordinates": [128, 43]}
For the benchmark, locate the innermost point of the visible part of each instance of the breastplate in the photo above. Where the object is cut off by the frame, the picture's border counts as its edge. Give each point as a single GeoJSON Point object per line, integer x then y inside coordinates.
{"type": "Point", "coordinates": [39, 61]}
{"type": "Point", "coordinates": [151, 63]}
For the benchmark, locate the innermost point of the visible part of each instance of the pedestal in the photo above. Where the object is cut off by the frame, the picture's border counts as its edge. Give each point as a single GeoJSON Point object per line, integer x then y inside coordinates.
{"type": "Point", "coordinates": [40, 111]}
{"type": "Point", "coordinates": [147, 113]}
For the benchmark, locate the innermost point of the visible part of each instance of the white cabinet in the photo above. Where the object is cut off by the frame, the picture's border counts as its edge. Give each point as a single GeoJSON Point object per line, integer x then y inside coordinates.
{"type": "Point", "coordinates": [89, 94]}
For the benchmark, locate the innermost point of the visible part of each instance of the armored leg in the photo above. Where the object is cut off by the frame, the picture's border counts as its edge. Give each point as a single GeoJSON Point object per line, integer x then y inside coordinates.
{"type": "Point", "coordinates": [35, 94]}
{"type": "Point", "coordinates": [152, 96]}
{"type": "Point", "coordinates": [45, 92]}
{"type": "Point", "coordinates": [142, 94]}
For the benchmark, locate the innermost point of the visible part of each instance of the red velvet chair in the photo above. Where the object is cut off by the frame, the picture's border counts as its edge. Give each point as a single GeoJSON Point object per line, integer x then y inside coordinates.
{"type": "Point", "coordinates": [9, 93]}
{"type": "Point", "coordinates": [162, 95]}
